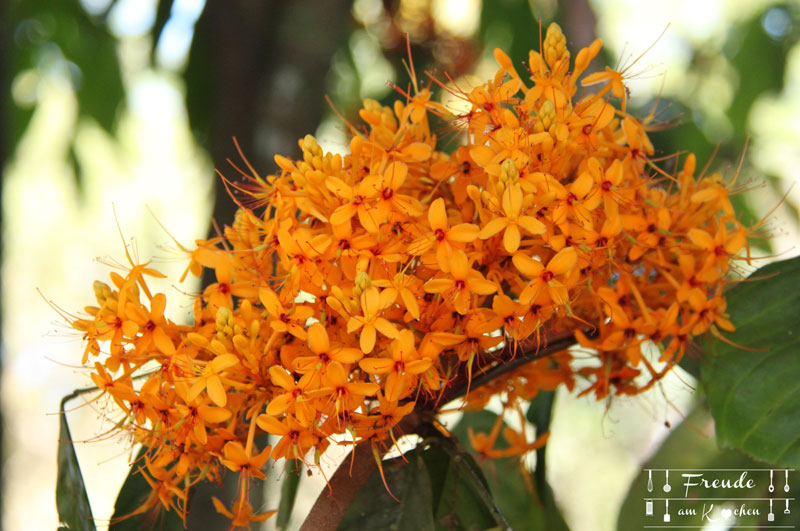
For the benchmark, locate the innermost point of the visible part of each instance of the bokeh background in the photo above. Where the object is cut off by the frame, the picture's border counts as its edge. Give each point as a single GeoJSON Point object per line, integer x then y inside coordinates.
{"type": "Point", "coordinates": [119, 111]}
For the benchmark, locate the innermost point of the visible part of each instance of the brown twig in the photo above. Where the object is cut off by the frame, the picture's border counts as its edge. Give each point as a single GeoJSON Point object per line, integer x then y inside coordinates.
{"type": "Point", "coordinates": [508, 359]}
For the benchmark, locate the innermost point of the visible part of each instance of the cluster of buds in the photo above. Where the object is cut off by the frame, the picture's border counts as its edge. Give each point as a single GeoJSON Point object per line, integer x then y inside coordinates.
{"type": "Point", "coordinates": [355, 290]}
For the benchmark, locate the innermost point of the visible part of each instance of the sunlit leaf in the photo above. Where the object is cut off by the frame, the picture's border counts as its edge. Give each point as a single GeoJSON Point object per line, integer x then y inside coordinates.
{"type": "Point", "coordinates": [291, 482]}
{"type": "Point", "coordinates": [463, 499]}
{"type": "Point", "coordinates": [163, 14]}
{"type": "Point", "coordinates": [753, 389]}
{"type": "Point", "coordinates": [131, 496]}
{"type": "Point", "coordinates": [524, 499]}
{"type": "Point", "coordinates": [74, 510]}
{"type": "Point", "coordinates": [374, 507]}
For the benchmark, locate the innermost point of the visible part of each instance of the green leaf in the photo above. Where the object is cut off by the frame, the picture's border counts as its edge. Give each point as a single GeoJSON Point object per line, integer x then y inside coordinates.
{"type": "Point", "coordinates": [72, 502]}
{"type": "Point", "coordinates": [439, 485]}
{"type": "Point", "coordinates": [64, 30]}
{"type": "Point", "coordinates": [163, 14]}
{"type": "Point", "coordinates": [134, 492]}
{"type": "Point", "coordinates": [539, 414]}
{"type": "Point", "coordinates": [748, 58]}
{"type": "Point", "coordinates": [510, 484]}
{"type": "Point", "coordinates": [688, 447]}
{"type": "Point", "coordinates": [463, 499]}
{"type": "Point", "coordinates": [291, 482]}
{"type": "Point", "coordinates": [374, 508]}
{"type": "Point", "coordinates": [755, 394]}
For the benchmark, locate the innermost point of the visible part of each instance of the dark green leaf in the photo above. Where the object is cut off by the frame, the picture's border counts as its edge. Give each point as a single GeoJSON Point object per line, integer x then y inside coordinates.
{"type": "Point", "coordinates": [199, 81]}
{"type": "Point", "coordinates": [134, 492]}
{"type": "Point", "coordinates": [74, 510]}
{"type": "Point", "coordinates": [524, 508]}
{"type": "Point", "coordinates": [88, 48]}
{"type": "Point", "coordinates": [163, 14]}
{"type": "Point", "coordinates": [465, 501]}
{"type": "Point", "coordinates": [512, 25]}
{"type": "Point", "coordinates": [291, 481]}
{"type": "Point", "coordinates": [538, 414]}
{"type": "Point", "coordinates": [540, 409]}
{"type": "Point", "coordinates": [691, 448]}
{"type": "Point", "coordinates": [755, 394]}
{"type": "Point", "coordinates": [748, 58]}
{"type": "Point", "coordinates": [374, 508]}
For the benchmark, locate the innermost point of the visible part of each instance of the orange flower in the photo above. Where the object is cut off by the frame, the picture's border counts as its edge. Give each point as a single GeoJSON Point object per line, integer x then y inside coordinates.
{"type": "Point", "coordinates": [292, 320]}
{"type": "Point", "coordinates": [402, 369]}
{"type": "Point", "coordinates": [210, 380]}
{"type": "Point", "coordinates": [512, 221]}
{"type": "Point", "coordinates": [320, 345]}
{"type": "Point", "coordinates": [370, 322]}
{"type": "Point", "coordinates": [444, 238]}
{"type": "Point", "coordinates": [242, 514]}
{"type": "Point", "coordinates": [391, 272]}
{"type": "Point", "coordinates": [296, 440]}
{"type": "Point", "coordinates": [463, 282]}
{"type": "Point", "coordinates": [546, 279]}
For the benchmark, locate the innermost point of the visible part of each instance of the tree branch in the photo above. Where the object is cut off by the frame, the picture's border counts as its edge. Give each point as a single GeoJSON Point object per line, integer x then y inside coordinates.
{"type": "Point", "coordinates": [508, 359]}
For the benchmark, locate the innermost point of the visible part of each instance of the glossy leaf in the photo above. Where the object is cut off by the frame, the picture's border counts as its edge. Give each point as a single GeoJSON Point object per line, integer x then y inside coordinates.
{"type": "Point", "coordinates": [64, 35]}
{"type": "Point", "coordinates": [74, 510]}
{"type": "Point", "coordinates": [463, 499]}
{"type": "Point", "coordinates": [753, 390]}
{"type": "Point", "coordinates": [539, 414]}
{"type": "Point", "coordinates": [131, 496]}
{"type": "Point", "coordinates": [525, 500]}
{"type": "Point", "coordinates": [374, 507]}
{"type": "Point", "coordinates": [163, 14]}
{"type": "Point", "coordinates": [291, 481]}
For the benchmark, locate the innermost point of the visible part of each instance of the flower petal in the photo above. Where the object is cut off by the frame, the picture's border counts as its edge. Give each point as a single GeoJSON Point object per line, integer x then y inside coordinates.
{"type": "Point", "coordinates": [527, 266]}
{"type": "Point", "coordinates": [376, 365]}
{"type": "Point", "coordinates": [271, 425]}
{"type": "Point", "coordinates": [438, 285]}
{"type": "Point", "coordinates": [386, 328]}
{"type": "Point", "coordinates": [492, 228]}
{"type": "Point", "coordinates": [437, 215]}
{"type": "Point", "coordinates": [281, 378]}
{"type": "Point", "coordinates": [563, 261]}
{"type": "Point", "coordinates": [318, 339]}
{"type": "Point", "coordinates": [367, 339]}
{"type": "Point", "coordinates": [463, 232]}
{"type": "Point", "coordinates": [481, 286]}
{"type": "Point", "coordinates": [216, 391]}
{"type": "Point", "coordinates": [511, 238]}
{"type": "Point", "coordinates": [531, 224]}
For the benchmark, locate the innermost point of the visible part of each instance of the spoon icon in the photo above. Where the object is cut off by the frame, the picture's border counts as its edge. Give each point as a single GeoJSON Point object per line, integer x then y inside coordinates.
{"type": "Point", "coordinates": [649, 481]}
{"type": "Point", "coordinates": [786, 486]}
{"type": "Point", "coordinates": [771, 488]}
{"type": "Point", "coordinates": [667, 487]}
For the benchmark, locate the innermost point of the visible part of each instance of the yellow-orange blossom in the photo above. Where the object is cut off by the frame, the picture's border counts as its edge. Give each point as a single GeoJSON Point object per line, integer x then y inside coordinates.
{"type": "Point", "coordinates": [411, 262]}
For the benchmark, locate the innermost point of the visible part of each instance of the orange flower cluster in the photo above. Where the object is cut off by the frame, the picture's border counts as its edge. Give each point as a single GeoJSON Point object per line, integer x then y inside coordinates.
{"type": "Point", "coordinates": [357, 287]}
